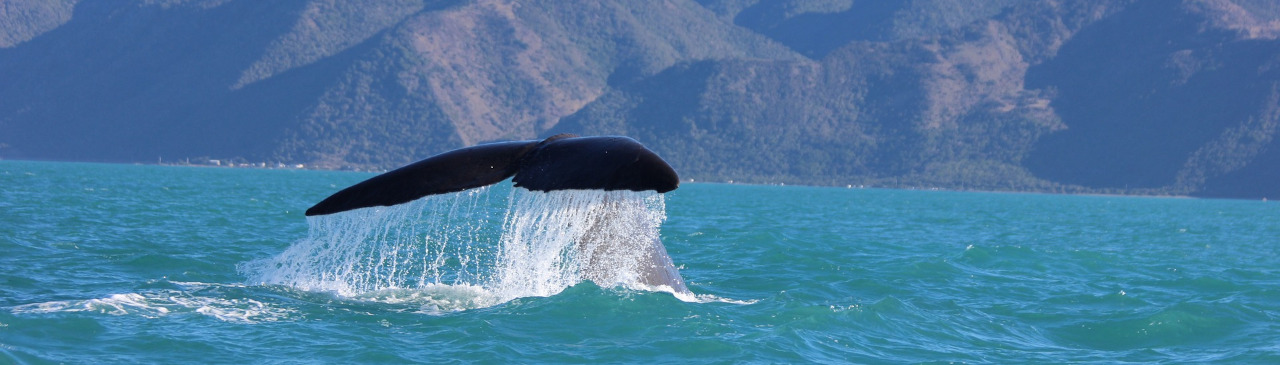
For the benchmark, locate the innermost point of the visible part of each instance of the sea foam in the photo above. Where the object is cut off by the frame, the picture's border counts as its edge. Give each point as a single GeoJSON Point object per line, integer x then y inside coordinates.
{"type": "Point", "coordinates": [476, 249]}
{"type": "Point", "coordinates": [169, 302]}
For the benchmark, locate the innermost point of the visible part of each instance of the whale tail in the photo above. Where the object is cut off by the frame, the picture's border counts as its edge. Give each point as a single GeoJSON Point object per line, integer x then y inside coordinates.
{"type": "Point", "coordinates": [561, 162]}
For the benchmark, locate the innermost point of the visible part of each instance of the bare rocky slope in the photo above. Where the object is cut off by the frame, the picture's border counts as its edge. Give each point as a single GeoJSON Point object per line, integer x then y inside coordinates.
{"type": "Point", "coordinates": [1151, 97]}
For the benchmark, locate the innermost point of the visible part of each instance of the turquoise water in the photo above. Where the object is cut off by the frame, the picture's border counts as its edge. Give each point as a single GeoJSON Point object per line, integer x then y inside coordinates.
{"type": "Point", "coordinates": [152, 264]}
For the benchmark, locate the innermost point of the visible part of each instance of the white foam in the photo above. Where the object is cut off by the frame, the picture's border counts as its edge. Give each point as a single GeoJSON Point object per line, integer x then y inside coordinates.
{"type": "Point", "coordinates": [708, 298]}
{"type": "Point", "coordinates": [434, 299]}
{"type": "Point", "coordinates": [530, 244]}
{"type": "Point", "coordinates": [160, 303]}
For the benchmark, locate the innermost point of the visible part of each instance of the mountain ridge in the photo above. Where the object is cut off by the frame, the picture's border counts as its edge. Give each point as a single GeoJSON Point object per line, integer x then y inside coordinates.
{"type": "Point", "coordinates": [1139, 97]}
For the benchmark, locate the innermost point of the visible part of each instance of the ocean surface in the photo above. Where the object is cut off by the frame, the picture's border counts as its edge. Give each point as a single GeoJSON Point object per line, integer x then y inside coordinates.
{"type": "Point", "coordinates": [103, 263]}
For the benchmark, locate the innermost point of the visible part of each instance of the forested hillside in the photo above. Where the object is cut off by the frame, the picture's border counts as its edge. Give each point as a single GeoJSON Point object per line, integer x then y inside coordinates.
{"type": "Point", "coordinates": [1150, 97]}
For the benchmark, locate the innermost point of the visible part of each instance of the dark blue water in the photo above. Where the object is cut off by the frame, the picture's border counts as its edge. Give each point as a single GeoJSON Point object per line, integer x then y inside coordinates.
{"type": "Point", "coordinates": [151, 264]}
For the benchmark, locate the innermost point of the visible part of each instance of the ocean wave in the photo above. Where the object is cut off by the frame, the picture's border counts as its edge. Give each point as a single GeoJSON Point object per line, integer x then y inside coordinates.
{"type": "Point", "coordinates": [166, 302]}
{"type": "Point", "coordinates": [434, 299]}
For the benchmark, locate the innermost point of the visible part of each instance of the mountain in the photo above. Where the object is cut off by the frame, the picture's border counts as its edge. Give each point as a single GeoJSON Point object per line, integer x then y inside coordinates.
{"type": "Point", "coordinates": [1145, 96]}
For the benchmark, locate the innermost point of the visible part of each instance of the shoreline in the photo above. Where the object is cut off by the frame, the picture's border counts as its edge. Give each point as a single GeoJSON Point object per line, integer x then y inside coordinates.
{"type": "Point", "coordinates": [231, 164]}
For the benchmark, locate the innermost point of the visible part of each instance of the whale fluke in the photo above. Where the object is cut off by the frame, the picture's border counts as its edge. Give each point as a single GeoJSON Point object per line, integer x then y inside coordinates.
{"type": "Point", "coordinates": [561, 162]}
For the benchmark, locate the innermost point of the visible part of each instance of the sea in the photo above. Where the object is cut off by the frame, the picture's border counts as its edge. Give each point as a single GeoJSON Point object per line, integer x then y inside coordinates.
{"type": "Point", "coordinates": [147, 264]}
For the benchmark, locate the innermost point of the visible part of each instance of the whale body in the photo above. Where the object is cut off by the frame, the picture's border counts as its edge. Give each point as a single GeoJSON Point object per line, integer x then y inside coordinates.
{"type": "Point", "coordinates": [561, 162]}
{"type": "Point", "coordinates": [610, 248]}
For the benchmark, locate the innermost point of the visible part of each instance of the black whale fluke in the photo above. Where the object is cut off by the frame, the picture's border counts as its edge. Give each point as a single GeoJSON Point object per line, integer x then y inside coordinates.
{"type": "Point", "coordinates": [562, 162]}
